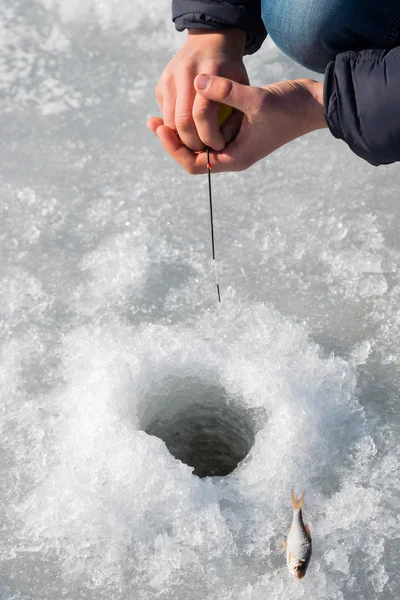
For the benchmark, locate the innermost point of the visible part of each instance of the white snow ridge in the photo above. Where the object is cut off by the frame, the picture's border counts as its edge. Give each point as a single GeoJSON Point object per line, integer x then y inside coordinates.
{"type": "Point", "coordinates": [150, 438]}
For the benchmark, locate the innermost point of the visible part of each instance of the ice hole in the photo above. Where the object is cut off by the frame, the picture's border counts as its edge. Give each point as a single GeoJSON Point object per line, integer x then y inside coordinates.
{"type": "Point", "coordinates": [200, 423]}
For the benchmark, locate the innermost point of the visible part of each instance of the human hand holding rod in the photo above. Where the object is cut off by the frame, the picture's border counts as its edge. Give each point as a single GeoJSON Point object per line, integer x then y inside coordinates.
{"type": "Point", "coordinates": [354, 43]}
{"type": "Point", "coordinates": [192, 116]}
{"type": "Point", "coordinates": [272, 116]}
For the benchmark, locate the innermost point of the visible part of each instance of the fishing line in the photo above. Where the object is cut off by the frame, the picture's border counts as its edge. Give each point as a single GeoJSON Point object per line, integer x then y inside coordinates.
{"type": "Point", "coordinates": [212, 223]}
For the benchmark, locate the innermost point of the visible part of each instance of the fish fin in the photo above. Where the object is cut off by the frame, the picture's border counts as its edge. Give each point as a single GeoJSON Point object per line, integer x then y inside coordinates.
{"type": "Point", "coordinates": [297, 502]}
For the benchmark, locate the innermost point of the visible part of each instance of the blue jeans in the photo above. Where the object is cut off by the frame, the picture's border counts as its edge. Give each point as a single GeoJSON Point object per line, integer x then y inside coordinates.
{"type": "Point", "coordinates": [312, 32]}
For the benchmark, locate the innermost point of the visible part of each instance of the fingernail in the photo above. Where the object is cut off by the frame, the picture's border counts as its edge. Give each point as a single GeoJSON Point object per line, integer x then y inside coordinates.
{"type": "Point", "coordinates": [203, 81]}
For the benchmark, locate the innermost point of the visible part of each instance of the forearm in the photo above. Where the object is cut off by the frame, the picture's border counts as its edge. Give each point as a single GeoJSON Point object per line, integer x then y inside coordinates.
{"type": "Point", "coordinates": [221, 16]}
{"type": "Point", "coordinates": [362, 103]}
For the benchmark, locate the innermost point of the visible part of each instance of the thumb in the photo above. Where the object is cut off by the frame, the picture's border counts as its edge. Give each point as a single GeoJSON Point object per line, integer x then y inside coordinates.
{"type": "Point", "coordinates": [224, 91]}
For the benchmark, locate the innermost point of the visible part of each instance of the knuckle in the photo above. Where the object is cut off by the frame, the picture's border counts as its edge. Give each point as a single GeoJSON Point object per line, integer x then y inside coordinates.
{"type": "Point", "coordinates": [159, 97]}
{"type": "Point", "coordinates": [166, 80]}
{"type": "Point", "coordinates": [212, 67]}
{"type": "Point", "coordinates": [200, 113]}
{"type": "Point", "coordinates": [225, 87]}
{"type": "Point", "coordinates": [184, 121]}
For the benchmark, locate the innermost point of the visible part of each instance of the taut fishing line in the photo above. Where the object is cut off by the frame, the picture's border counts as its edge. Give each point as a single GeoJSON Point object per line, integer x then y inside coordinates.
{"type": "Point", "coordinates": [212, 223]}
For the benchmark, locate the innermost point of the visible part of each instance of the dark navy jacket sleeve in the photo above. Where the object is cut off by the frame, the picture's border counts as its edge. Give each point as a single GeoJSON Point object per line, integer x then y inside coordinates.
{"type": "Point", "coordinates": [362, 103]}
{"type": "Point", "coordinates": [222, 14]}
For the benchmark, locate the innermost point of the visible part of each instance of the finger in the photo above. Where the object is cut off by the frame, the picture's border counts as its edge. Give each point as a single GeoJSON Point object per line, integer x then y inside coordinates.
{"type": "Point", "coordinates": [230, 159]}
{"type": "Point", "coordinates": [206, 121]}
{"type": "Point", "coordinates": [159, 97]}
{"type": "Point", "coordinates": [191, 162]}
{"type": "Point", "coordinates": [184, 121]}
{"type": "Point", "coordinates": [226, 91]}
{"type": "Point", "coordinates": [168, 92]}
{"type": "Point", "coordinates": [153, 123]}
{"type": "Point", "coordinates": [168, 111]}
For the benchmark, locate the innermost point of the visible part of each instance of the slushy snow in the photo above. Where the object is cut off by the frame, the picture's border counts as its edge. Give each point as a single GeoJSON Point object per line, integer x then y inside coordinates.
{"type": "Point", "coordinates": [117, 362]}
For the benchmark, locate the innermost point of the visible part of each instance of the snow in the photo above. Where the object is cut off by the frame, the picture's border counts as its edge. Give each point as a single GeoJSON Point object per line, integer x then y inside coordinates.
{"type": "Point", "coordinates": [114, 348]}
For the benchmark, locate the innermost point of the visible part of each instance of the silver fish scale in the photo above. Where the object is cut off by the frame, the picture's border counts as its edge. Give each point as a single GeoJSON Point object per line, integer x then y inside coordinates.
{"type": "Point", "coordinates": [298, 542]}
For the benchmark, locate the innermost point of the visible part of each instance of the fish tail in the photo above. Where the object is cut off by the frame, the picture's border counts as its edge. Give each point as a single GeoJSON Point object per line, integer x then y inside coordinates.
{"type": "Point", "coordinates": [297, 502]}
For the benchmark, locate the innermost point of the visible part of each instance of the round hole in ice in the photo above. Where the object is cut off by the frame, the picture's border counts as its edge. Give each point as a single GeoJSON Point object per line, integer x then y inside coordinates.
{"type": "Point", "coordinates": [200, 423]}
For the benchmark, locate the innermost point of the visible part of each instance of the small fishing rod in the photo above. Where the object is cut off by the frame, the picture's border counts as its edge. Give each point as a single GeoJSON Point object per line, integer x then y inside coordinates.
{"type": "Point", "coordinates": [224, 113]}
{"type": "Point", "coordinates": [212, 223]}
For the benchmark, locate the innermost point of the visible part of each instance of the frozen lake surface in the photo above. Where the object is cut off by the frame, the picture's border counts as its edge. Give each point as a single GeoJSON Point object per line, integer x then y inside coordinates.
{"type": "Point", "coordinates": [111, 337]}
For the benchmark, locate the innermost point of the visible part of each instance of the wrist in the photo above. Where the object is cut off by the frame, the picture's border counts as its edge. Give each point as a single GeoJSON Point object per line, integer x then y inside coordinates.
{"type": "Point", "coordinates": [315, 106]}
{"type": "Point", "coordinates": [231, 41]}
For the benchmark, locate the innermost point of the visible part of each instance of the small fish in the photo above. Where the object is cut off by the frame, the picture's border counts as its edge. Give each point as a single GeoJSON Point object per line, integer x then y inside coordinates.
{"type": "Point", "coordinates": [298, 543]}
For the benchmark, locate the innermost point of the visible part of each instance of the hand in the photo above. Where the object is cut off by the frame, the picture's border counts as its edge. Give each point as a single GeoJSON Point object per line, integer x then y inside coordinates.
{"type": "Point", "coordinates": [192, 116]}
{"type": "Point", "coordinates": [273, 116]}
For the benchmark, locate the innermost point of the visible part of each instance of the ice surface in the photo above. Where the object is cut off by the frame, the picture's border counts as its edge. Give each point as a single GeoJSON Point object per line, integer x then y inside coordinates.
{"type": "Point", "coordinates": [110, 328]}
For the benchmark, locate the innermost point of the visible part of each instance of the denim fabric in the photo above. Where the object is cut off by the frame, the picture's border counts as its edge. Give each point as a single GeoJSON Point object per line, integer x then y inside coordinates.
{"type": "Point", "coordinates": [313, 32]}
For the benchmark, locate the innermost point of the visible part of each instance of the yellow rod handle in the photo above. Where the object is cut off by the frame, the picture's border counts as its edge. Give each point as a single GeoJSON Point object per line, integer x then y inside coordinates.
{"type": "Point", "coordinates": [224, 112]}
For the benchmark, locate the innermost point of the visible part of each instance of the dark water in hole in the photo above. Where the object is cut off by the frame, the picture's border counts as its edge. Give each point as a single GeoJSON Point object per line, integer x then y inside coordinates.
{"type": "Point", "coordinates": [200, 425]}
